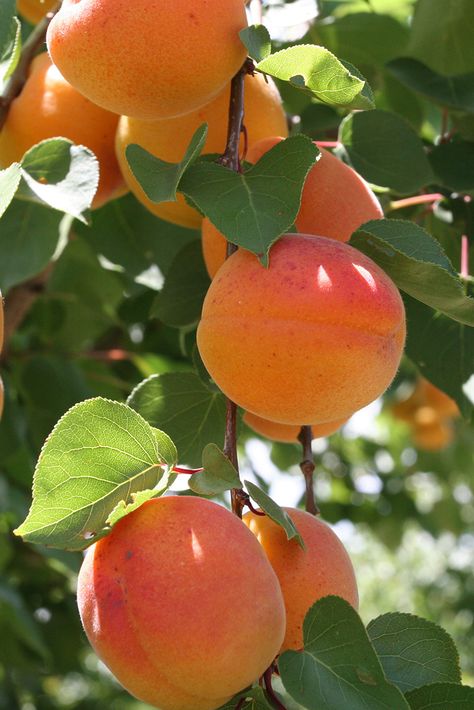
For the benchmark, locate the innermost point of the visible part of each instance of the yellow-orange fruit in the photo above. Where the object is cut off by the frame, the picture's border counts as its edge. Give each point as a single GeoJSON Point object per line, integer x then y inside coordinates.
{"type": "Point", "coordinates": [180, 602]}
{"type": "Point", "coordinates": [288, 432]}
{"type": "Point", "coordinates": [313, 338]}
{"type": "Point", "coordinates": [168, 139]}
{"type": "Point", "coordinates": [425, 396]}
{"type": "Point", "coordinates": [321, 569]}
{"type": "Point", "coordinates": [335, 199]}
{"type": "Point", "coordinates": [49, 107]}
{"type": "Point", "coordinates": [148, 59]}
{"type": "Point", "coordinates": [439, 400]}
{"type": "Point", "coordinates": [433, 436]}
{"type": "Point", "coordinates": [214, 247]}
{"type": "Point", "coordinates": [35, 10]}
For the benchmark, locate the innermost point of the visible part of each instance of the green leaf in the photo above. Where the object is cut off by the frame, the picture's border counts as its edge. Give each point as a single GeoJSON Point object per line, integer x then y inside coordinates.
{"type": "Point", "coordinates": [122, 508]}
{"type": "Point", "coordinates": [366, 99]}
{"type": "Point", "coordinates": [443, 351]}
{"type": "Point", "coordinates": [158, 178]}
{"type": "Point", "coordinates": [257, 40]}
{"type": "Point", "coordinates": [255, 208]}
{"type": "Point", "coordinates": [441, 35]}
{"type": "Point", "coordinates": [316, 70]}
{"type": "Point", "coordinates": [255, 699]}
{"type": "Point", "coordinates": [417, 264]}
{"type": "Point", "coordinates": [10, 53]}
{"type": "Point", "coordinates": [385, 150]}
{"type": "Point", "coordinates": [453, 164]}
{"type": "Point", "coordinates": [274, 512]}
{"type": "Point", "coordinates": [456, 92]}
{"type": "Point", "coordinates": [338, 667]}
{"type": "Point", "coordinates": [179, 303]}
{"type": "Point", "coordinates": [7, 16]}
{"type": "Point", "coordinates": [441, 696]}
{"type": "Point", "coordinates": [219, 474]}
{"type": "Point", "coordinates": [414, 651]}
{"type": "Point", "coordinates": [29, 236]}
{"type": "Point", "coordinates": [185, 408]}
{"type": "Point", "coordinates": [97, 455]}
{"type": "Point", "coordinates": [15, 619]}
{"type": "Point", "coordinates": [62, 175]}
{"type": "Point", "coordinates": [9, 181]}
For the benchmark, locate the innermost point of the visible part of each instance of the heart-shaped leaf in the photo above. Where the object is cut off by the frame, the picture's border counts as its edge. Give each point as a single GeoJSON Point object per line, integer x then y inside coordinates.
{"type": "Point", "coordinates": [98, 454]}
{"type": "Point", "coordinates": [257, 40]}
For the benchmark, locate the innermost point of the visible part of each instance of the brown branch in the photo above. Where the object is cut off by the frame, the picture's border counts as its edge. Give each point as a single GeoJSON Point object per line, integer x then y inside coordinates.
{"type": "Point", "coordinates": [307, 468]}
{"type": "Point", "coordinates": [20, 74]}
{"type": "Point", "coordinates": [267, 679]}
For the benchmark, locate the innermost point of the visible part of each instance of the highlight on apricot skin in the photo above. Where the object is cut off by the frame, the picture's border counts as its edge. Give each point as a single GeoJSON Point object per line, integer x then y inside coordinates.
{"type": "Point", "coordinates": [313, 338]}
{"type": "Point", "coordinates": [178, 625]}
{"type": "Point", "coordinates": [321, 569]}
{"type": "Point", "coordinates": [35, 10]}
{"type": "Point", "coordinates": [148, 60]}
{"type": "Point", "coordinates": [168, 139]}
{"type": "Point", "coordinates": [50, 107]}
{"type": "Point", "coordinates": [288, 433]}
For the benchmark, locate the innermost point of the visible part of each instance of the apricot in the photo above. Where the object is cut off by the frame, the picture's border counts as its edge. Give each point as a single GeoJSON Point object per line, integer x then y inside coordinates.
{"type": "Point", "coordinates": [181, 603]}
{"type": "Point", "coordinates": [439, 400]}
{"type": "Point", "coordinates": [148, 59]}
{"type": "Point", "coordinates": [313, 338]}
{"type": "Point", "coordinates": [321, 569]}
{"type": "Point", "coordinates": [35, 10]}
{"type": "Point", "coordinates": [287, 432]}
{"type": "Point", "coordinates": [168, 139]}
{"type": "Point", "coordinates": [425, 396]}
{"type": "Point", "coordinates": [433, 436]}
{"type": "Point", "coordinates": [49, 107]}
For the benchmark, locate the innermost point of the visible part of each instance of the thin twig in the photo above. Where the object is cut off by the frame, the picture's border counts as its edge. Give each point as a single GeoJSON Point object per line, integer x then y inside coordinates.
{"type": "Point", "coordinates": [267, 679]}
{"type": "Point", "coordinates": [20, 73]}
{"type": "Point", "coordinates": [307, 468]}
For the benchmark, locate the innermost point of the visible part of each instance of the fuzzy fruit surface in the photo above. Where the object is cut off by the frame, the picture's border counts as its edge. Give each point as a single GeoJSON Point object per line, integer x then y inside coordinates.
{"type": "Point", "coordinates": [35, 10]}
{"type": "Point", "coordinates": [181, 603]}
{"type": "Point", "coordinates": [148, 59]}
{"type": "Point", "coordinates": [50, 107]}
{"type": "Point", "coordinates": [169, 139]}
{"type": "Point", "coordinates": [321, 569]}
{"type": "Point", "coordinates": [311, 339]}
{"type": "Point", "coordinates": [287, 432]}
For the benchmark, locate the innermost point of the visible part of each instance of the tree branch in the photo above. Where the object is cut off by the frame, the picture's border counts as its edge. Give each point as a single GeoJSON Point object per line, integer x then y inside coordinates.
{"type": "Point", "coordinates": [307, 468]}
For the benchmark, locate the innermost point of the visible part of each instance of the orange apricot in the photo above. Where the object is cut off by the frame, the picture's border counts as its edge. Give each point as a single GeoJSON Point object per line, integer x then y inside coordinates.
{"type": "Point", "coordinates": [321, 569]}
{"type": "Point", "coordinates": [168, 139]}
{"type": "Point", "coordinates": [313, 338]}
{"type": "Point", "coordinates": [35, 10]}
{"type": "Point", "coordinates": [439, 400]}
{"type": "Point", "coordinates": [148, 59]}
{"type": "Point", "coordinates": [49, 107]}
{"type": "Point", "coordinates": [433, 436]}
{"type": "Point", "coordinates": [288, 432]}
{"type": "Point", "coordinates": [181, 603]}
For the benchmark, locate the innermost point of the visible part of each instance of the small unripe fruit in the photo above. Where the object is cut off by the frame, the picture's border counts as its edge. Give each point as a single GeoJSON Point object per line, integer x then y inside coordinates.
{"type": "Point", "coordinates": [49, 107]}
{"type": "Point", "coordinates": [35, 10]}
{"type": "Point", "coordinates": [148, 59]}
{"type": "Point", "coordinates": [181, 603]}
{"type": "Point", "coordinates": [313, 338]}
{"type": "Point", "coordinates": [168, 139]}
{"type": "Point", "coordinates": [321, 569]}
{"type": "Point", "coordinates": [288, 433]}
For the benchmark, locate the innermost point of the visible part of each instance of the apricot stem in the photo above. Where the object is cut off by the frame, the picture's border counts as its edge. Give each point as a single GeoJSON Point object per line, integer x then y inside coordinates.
{"type": "Point", "coordinates": [267, 679]}
{"type": "Point", "coordinates": [416, 200]}
{"type": "Point", "coordinates": [307, 468]}
{"type": "Point", "coordinates": [186, 471]}
{"type": "Point", "coordinates": [20, 74]}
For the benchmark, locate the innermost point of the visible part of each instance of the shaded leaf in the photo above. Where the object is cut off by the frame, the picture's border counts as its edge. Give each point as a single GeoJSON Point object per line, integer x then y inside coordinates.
{"type": "Point", "coordinates": [453, 164]}
{"type": "Point", "coordinates": [9, 181]}
{"type": "Point", "coordinates": [257, 40]}
{"type": "Point", "coordinates": [219, 474]}
{"type": "Point", "coordinates": [274, 512]}
{"type": "Point", "coordinates": [441, 696]}
{"type": "Point", "coordinates": [10, 52]}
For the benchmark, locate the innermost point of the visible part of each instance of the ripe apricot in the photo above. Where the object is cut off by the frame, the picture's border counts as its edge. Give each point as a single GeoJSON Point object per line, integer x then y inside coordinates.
{"type": "Point", "coordinates": [439, 400]}
{"type": "Point", "coordinates": [313, 338]}
{"type": "Point", "coordinates": [168, 139]}
{"type": "Point", "coordinates": [321, 569]}
{"type": "Point", "coordinates": [148, 59]}
{"type": "Point", "coordinates": [288, 432]}
{"type": "Point", "coordinates": [49, 107]}
{"type": "Point", "coordinates": [433, 436]}
{"type": "Point", "coordinates": [35, 10]}
{"type": "Point", "coordinates": [181, 603]}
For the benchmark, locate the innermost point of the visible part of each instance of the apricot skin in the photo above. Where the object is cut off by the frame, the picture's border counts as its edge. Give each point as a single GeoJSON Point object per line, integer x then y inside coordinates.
{"type": "Point", "coordinates": [288, 433]}
{"type": "Point", "coordinates": [35, 10]}
{"type": "Point", "coordinates": [313, 338]}
{"type": "Point", "coordinates": [148, 59]}
{"type": "Point", "coordinates": [321, 569]}
{"type": "Point", "coordinates": [49, 107]}
{"type": "Point", "coordinates": [169, 139]}
{"type": "Point", "coordinates": [180, 602]}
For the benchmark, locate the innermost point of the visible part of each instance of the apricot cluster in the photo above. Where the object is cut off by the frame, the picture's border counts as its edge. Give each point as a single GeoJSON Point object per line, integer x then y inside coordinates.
{"type": "Point", "coordinates": [185, 606]}
{"type": "Point", "coordinates": [429, 413]}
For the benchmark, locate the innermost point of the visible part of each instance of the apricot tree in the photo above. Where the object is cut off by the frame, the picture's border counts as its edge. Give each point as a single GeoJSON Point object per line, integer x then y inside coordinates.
{"type": "Point", "coordinates": [130, 375]}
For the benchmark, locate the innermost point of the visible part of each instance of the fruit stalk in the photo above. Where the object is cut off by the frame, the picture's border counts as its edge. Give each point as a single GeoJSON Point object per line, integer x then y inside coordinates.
{"type": "Point", "coordinates": [17, 80]}
{"type": "Point", "coordinates": [307, 468]}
